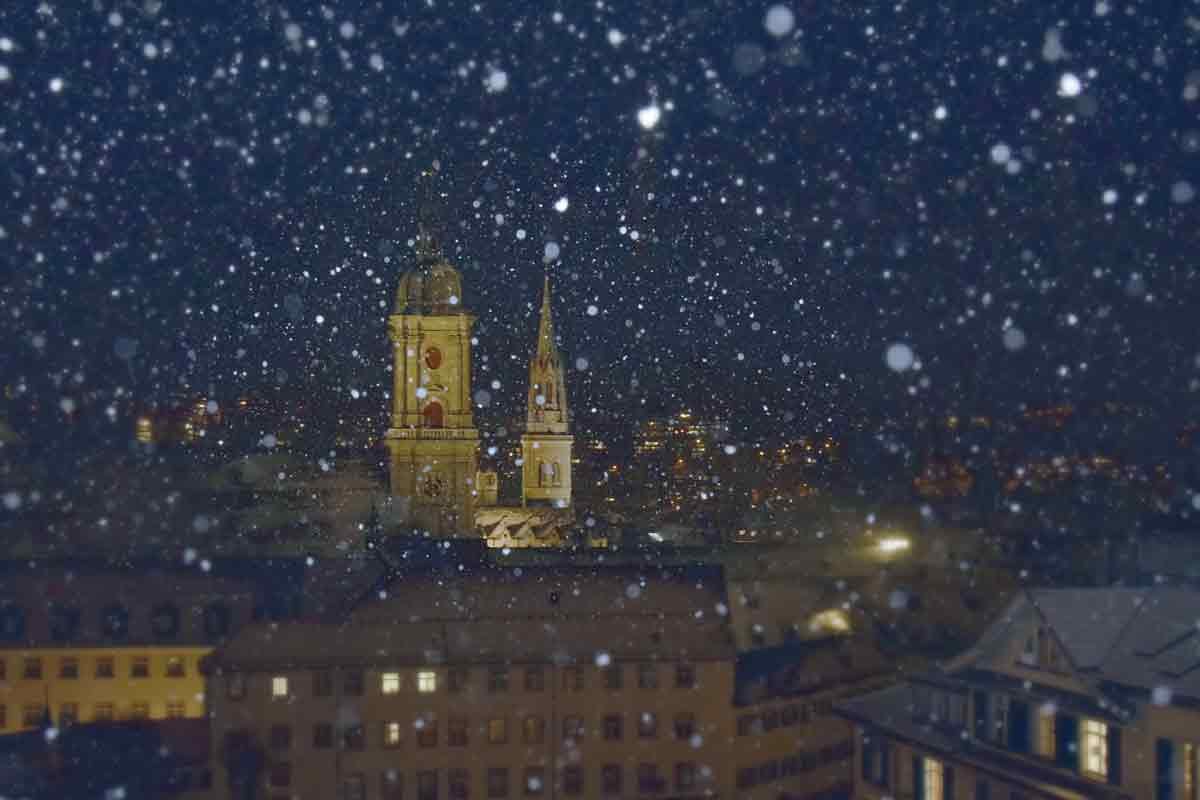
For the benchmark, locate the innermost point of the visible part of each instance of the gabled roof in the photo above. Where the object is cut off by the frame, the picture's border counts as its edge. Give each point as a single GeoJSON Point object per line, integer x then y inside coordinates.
{"type": "Point", "coordinates": [1143, 639]}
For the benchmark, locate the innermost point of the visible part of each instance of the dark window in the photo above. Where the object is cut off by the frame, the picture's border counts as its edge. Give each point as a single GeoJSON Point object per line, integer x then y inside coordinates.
{"type": "Point", "coordinates": [685, 676]}
{"type": "Point", "coordinates": [322, 735]}
{"type": "Point", "coordinates": [573, 780]}
{"type": "Point", "coordinates": [497, 679]}
{"type": "Point", "coordinates": [647, 725]}
{"type": "Point", "coordinates": [610, 779]}
{"type": "Point", "coordinates": [217, 620]}
{"type": "Point", "coordinates": [770, 719]}
{"type": "Point", "coordinates": [114, 622]}
{"type": "Point", "coordinates": [391, 785]}
{"type": "Point", "coordinates": [354, 737]}
{"type": "Point", "coordinates": [427, 731]}
{"type": "Point", "coordinates": [68, 714]}
{"type": "Point", "coordinates": [427, 785]}
{"type": "Point", "coordinates": [535, 679]}
{"type": "Point", "coordinates": [164, 621]}
{"type": "Point", "coordinates": [983, 791]}
{"type": "Point", "coordinates": [572, 679]}
{"type": "Point", "coordinates": [322, 683]}
{"type": "Point", "coordinates": [12, 623]}
{"type": "Point", "coordinates": [31, 669]}
{"type": "Point", "coordinates": [459, 781]}
{"type": "Point", "coordinates": [789, 716]}
{"type": "Point", "coordinates": [613, 677]}
{"type": "Point", "coordinates": [533, 730]}
{"type": "Point", "coordinates": [535, 781]}
{"type": "Point", "coordinates": [352, 683]}
{"type": "Point", "coordinates": [3, 669]}
{"type": "Point", "coordinates": [139, 667]}
{"type": "Point", "coordinates": [281, 775]}
{"type": "Point", "coordinates": [685, 776]}
{"type": "Point", "coordinates": [497, 783]}
{"type": "Point", "coordinates": [354, 787]}
{"type": "Point", "coordinates": [33, 715]}
{"type": "Point", "coordinates": [612, 727]}
{"type": "Point", "coordinates": [456, 732]}
{"type": "Point", "coordinates": [105, 667]}
{"type": "Point", "coordinates": [647, 676]}
{"type": "Point", "coordinates": [68, 667]}
{"type": "Point", "coordinates": [457, 679]}
{"type": "Point", "coordinates": [235, 685]}
{"type": "Point", "coordinates": [685, 726]}
{"type": "Point", "coordinates": [572, 727]}
{"type": "Point", "coordinates": [281, 737]}
{"type": "Point", "coordinates": [746, 777]}
{"type": "Point", "coordinates": [648, 780]}
{"type": "Point", "coordinates": [64, 623]}
{"type": "Point", "coordinates": [175, 667]}
{"type": "Point", "coordinates": [748, 725]}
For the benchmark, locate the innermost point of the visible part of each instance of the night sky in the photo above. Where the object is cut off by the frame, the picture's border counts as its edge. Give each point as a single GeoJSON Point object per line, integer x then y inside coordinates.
{"type": "Point", "coordinates": [221, 196]}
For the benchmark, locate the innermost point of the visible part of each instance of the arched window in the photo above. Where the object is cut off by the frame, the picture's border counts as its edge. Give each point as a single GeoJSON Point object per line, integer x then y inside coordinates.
{"type": "Point", "coordinates": [432, 414]}
{"type": "Point", "coordinates": [217, 620]}
{"type": "Point", "coordinates": [12, 623]}
{"type": "Point", "coordinates": [114, 622]}
{"type": "Point", "coordinates": [433, 358]}
{"type": "Point", "coordinates": [555, 474]}
{"type": "Point", "coordinates": [64, 623]}
{"type": "Point", "coordinates": [545, 473]}
{"type": "Point", "coordinates": [164, 621]}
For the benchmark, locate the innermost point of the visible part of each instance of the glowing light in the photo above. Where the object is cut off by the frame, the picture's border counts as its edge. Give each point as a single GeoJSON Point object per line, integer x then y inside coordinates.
{"type": "Point", "coordinates": [891, 545]}
{"type": "Point", "coordinates": [649, 116]}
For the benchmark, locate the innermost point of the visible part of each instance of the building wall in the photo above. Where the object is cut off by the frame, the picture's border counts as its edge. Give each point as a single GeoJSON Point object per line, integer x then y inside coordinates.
{"type": "Point", "coordinates": [318, 771]}
{"type": "Point", "coordinates": [127, 694]}
{"type": "Point", "coordinates": [793, 746]}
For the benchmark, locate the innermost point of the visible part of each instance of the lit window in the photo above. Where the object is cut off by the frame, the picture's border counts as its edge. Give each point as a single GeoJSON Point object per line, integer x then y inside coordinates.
{"type": "Point", "coordinates": [392, 734]}
{"type": "Point", "coordinates": [426, 681]}
{"type": "Point", "coordinates": [1095, 748]}
{"type": "Point", "coordinates": [279, 686]}
{"type": "Point", "coordinates": [1045, 728]}
{"type": "Point", "coordinates": [934, 780]}
{"type": "Point", "coordinates": [390, 683]}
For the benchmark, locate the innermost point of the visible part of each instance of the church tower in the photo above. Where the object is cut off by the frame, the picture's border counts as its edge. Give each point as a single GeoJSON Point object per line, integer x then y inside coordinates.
{"type": "Point", "coordinates": [432, 441]}
{"type": "Point", "coordinates": [546, 445]}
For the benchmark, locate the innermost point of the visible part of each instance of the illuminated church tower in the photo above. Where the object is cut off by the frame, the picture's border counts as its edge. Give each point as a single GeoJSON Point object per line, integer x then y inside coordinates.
{"type": "Point", "coordinates": [546, 445]}
{"type": "Point", "coordinates": [432, 441]}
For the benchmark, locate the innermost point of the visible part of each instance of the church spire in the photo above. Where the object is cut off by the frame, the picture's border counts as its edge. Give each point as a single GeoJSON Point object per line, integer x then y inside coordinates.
{"type": "Point", "coordinates": [547, 406]}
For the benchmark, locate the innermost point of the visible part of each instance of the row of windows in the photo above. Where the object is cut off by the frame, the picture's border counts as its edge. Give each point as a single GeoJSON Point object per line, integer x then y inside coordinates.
{"type": "Point", "coordinates": [113, 621]}
{"type": "Point", "coordinates": [795, 764]}
{"type": "Point", "coordinates": [772, 718]}
{"type": "Point", "coordinates": [32, 668]}
{"type": "Point", "coordinates": [458, 680]}
{"type": "Point", "coordinates": [498, 782]}
{"type": "Point", "coordinates": [424, 730]}
{"type": "Point", "coordinates": [33, 715]}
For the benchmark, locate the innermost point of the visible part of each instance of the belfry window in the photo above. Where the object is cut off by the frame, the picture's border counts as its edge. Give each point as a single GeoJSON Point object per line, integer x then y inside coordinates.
{"type": "Point", "coordinates": [433, 358]}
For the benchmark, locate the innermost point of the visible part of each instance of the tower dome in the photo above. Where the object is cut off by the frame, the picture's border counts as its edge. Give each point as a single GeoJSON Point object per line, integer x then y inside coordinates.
{"type": "Point", "coordinates": [433, 286]}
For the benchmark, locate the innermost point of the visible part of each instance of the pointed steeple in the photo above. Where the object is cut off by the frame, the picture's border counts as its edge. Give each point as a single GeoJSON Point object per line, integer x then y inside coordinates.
{"type": "Point", "coordinates": [547, 406]}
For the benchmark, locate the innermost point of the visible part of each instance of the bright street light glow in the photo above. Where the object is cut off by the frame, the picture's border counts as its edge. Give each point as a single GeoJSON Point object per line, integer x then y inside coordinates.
{"type": "Point", "coordinates": [893, 544]}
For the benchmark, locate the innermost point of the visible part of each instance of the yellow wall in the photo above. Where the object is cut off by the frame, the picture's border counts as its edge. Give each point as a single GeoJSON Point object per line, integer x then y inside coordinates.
{"type": "Point", "coordinates": [18, 693]}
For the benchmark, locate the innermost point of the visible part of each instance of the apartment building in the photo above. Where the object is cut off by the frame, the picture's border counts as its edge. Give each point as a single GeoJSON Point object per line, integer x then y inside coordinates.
{"type": "Point", "coordinates": [81, 642]}
{"type": "Point", "coordinates": [509, 682]}
{"type": "Point", "coordinates": [1072, 693]}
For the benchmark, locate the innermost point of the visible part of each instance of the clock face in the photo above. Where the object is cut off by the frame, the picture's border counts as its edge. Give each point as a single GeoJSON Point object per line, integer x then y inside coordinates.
{"type": "Point", "coordinates": [434, 486]}
{"type": "Point", "coordinates": [433, 358]}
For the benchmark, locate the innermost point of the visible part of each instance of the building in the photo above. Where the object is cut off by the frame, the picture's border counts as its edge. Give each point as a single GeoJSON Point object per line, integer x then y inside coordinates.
{"type": "Point", "coordinates": [1071, 693]}
{"type": "Point", "coordinates": [435, 483]}
{"type": "Point", "coordinates": [562, 681]}
{"type": "Point", "coordinates": [82, 643]}
{"type": "Point", "coordinates": [508, 683]}
{"type": "Point", "coordinates": [546, 444]}
{"type": "Point", "coordinates": [432, 441]}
